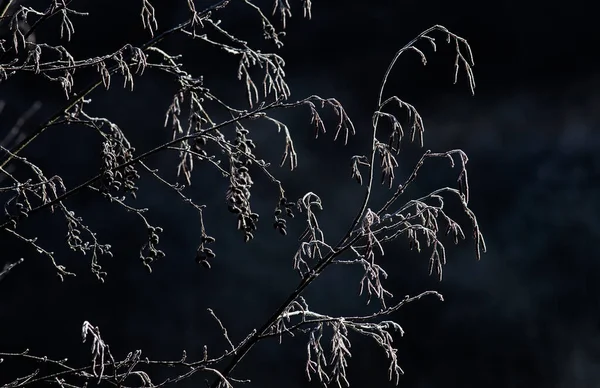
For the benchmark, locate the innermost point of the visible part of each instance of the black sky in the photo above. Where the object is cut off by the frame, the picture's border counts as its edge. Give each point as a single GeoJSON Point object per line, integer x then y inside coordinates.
{"type": "Point", "coordinates": [527, 315]}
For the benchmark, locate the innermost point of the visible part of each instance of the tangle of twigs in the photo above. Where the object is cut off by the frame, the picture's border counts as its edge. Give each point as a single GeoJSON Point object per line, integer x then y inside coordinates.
{"type": "Point", "coordinates": [195, 133]}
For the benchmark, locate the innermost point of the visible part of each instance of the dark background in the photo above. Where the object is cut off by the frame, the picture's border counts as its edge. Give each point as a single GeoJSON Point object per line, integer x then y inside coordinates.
{"type": "Point", "coordinates": [527, 315]}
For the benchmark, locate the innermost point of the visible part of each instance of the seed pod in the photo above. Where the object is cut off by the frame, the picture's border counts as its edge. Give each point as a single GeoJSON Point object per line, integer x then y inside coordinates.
{"type": "Point", "coordinates": [208, 240]}
{"type": "Point", "coordinates": [209, 253]}
{"type": "Point", "coordinates": [205, 264]}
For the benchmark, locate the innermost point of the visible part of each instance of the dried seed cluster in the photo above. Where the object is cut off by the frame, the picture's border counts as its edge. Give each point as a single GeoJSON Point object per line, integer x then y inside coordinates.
{"type": "Point", "coordinates": [114, 154]}
{"type": "Point", "coordinates": [280, 223]}
{"type": "Point", "coordinates": [238, 193]}
{"type": "Point", "coordinates": [149, 252]}
{"type": "Point", "coordinates": [204, 254]}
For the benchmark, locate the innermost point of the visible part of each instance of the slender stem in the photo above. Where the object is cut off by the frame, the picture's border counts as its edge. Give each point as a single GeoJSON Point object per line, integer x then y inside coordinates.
{"type": "Point", "coordinates": [5, 8]}
{"type": "Point", "coordinates": [341, 247]}
{"type": "Point", "coordinates": [35, 25]}
{"type": "Point", "coordinates": [53, 119]}
{"type": "Point", "coordinates": [87, 90]}
{"type": "Point", "coordinates": [144, 156]}
{"type": "Point", "coordinates": [304, 283]}
{"type": "Point", "coordinates": [369, 186]}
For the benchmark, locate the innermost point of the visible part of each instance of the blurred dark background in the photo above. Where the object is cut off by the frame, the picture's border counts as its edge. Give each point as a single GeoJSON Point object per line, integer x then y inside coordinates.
{"type": "Point", "coordinates": [526, 315]}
